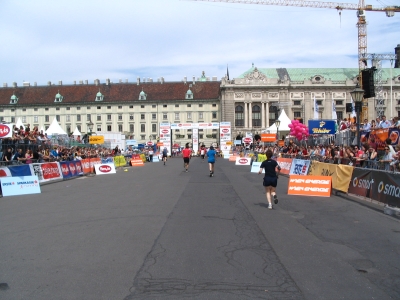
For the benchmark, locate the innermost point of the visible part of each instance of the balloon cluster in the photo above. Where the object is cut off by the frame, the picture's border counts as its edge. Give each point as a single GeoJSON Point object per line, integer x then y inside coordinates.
{"type": "Point", "coordinates": [298, 130]}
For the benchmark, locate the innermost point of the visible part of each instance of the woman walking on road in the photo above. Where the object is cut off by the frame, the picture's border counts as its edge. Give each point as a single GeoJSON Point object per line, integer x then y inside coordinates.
{"type": "Point", "coordinates": [270, 177]}
{"type": "Point", "coordinates": [211, 160]}
{"type": "Point", "coordinates": [186, 153]}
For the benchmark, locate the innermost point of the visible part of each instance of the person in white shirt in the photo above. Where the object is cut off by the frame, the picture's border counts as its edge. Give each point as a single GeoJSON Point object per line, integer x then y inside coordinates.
{"type": "Point", "coordinates": [366, 126]}
{"type": "Point", "coordinates": [385, 123]}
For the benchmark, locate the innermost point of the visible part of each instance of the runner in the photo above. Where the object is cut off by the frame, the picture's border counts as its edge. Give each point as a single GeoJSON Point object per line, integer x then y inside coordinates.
{"type": "Point", "coordinates": [202, 153]}
{"type": "Point", "coordinates": [270, 177]}
{"type": "Point", "coordinates": [186, 153]}
{"type": "Point", "coordinates": [164, 155]}
{"type": "Point", "coordinates": [211, 160]}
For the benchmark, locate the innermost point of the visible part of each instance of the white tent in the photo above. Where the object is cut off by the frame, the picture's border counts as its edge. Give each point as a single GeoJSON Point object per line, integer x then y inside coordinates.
{"type": "Point", "coordinates": [76, 132]}
{"type": "Point", "coordinates": [283, 127]}
{"type": "Point", "coordinates": [55, 128]}
{"type": "Point", "coordinates": [19, 124]}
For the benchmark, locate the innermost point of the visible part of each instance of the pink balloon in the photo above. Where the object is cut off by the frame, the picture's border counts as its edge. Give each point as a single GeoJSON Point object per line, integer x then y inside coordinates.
{"type": "Point", "coordinates": [290, 125]}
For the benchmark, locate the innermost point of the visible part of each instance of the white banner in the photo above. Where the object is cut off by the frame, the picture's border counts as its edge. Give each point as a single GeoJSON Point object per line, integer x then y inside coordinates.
{"type": "Point", "coordinates": [255, 167]}
{"type": "Point", "coordinates": [104, 169]}
{"type": "Point", "coordinates": [22, 185]}
{"type": "Point", "coordinates": [195, 139]}
{"type": "Point", "coordinates": [165, 137]}
{"type": "Point", "coordinates": [299, 167]}
{"type": "Point", "coordinates": [243, 161]}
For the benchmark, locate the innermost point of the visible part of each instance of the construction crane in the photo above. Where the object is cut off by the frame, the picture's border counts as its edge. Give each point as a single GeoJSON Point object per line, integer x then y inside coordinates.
{"type": "Point", "coordinates": [360, 8]}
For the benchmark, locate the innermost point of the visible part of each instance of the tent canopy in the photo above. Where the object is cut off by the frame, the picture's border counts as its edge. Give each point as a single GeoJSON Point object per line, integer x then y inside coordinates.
{"type": "Point", "coordinates": [76, 132]}
{"type": "Point", "coordinates": [55, 128]}
{"type": "Point", "coordinates": [284, 126]}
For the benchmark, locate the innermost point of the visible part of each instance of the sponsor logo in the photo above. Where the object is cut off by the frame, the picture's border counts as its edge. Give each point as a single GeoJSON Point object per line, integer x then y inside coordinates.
{"type": "Point", "coordinates": [27, 182]}
{"type": "Point", "coordinates": [389, 189]}
{"type": "Point", "coordinates": [225, 130]}
{"type": "Point", "coordinates": [362, 183]}
{"type": "Point", "coordinates": [243, 161]}
{"type": "Point", "coordinates": [105, 169]}
{"type": "Point", "coordinates": [8, 183]}
{"type": "Point", "coordinates": [247, 140]}
{"type": "Point", "coordinates": [164, 131]}
{"type": "Point", "coordinates": [284, 165]}
{"type": "Point", "coordinates": [64, 169]}
{"type": "Point", "coordinates": [4, 130]}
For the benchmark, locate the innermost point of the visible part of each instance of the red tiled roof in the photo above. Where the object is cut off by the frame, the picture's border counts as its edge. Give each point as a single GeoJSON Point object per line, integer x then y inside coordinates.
{"type": "Point", "coordinates": [115, 92]}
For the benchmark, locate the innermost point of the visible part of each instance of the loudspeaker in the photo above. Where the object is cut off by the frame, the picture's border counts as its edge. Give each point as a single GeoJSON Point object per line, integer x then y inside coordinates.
{"type": "Point", "coordinates": [349, 108]}
{"type": "Point", "coordinates": [368, 82]}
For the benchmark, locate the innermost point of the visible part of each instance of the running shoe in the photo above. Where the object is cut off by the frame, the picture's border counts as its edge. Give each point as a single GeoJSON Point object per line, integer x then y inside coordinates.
{"type": "Point", "coordinates": [270, 206]}
{"type": "Point", "coordinates": [275, 199]}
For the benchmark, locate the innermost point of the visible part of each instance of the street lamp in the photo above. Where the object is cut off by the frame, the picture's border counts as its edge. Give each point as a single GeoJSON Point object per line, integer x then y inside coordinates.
{"type": "Point", "coordinates": [90, 128]}
{"type": "Point", "coordinates": [358, 94]}
{"type": "Point", "coordinates": [277, 123]}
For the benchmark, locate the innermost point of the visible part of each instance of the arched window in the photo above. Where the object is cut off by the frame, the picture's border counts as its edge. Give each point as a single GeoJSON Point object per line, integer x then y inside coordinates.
{"type": "Point", "coordinates": [256, 116]}
{"type": "Point", "coordinates": [239, 116]}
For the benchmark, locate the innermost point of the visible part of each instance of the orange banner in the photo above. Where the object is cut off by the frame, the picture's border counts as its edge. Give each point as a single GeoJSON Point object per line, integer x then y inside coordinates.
{"type": "Point", "coordinates": [285, 164]}
{"type": "Point", "coordinates": [233, 158]}
{"type": "Point", "coordinates": [310, 185]}
{"type": "Point", "coordinates": [87, 164]}
{"type": "Point", "coordinates": [268, 137]}
{"type": "Point", "coordinates": [137, 162]}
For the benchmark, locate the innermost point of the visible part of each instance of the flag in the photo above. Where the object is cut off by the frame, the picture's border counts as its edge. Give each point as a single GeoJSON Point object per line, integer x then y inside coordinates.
{"type": "Point", "coordinates": [316, 114]}
{"type": "Point", "coordinates": [334, 115]}
{"type": "Point", "coordinates": [353, 113]}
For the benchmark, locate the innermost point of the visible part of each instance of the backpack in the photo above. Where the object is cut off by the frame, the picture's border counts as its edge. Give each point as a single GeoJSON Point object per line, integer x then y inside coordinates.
{"type": "Point", "coordinates": [165, 151]}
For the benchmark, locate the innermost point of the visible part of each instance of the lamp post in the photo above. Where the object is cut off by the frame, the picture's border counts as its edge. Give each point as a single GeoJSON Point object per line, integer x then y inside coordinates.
{"type": "Point", "coordinates": [357, 94]}
{"type": "Point", "coordinates": [277, 123]}
{"type": "Point", "coordinates": [90, 128]}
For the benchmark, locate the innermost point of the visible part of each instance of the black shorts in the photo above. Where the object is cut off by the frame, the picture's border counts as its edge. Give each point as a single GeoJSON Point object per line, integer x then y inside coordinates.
{"type": "Point", "coordinates": [164, 156]}
{"type": "Point", "coordinates": [270, 181]}
{"type": "Point", "coordinates": [186, 160]}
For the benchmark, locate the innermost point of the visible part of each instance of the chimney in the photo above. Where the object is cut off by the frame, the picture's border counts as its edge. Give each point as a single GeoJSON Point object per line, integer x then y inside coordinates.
{"type": "Point", "coordinates": [108, 81]}
{"type": "Point", "coordinates": [5, 84]}
{"type": "Point", "coordinates": [97, 81]}
{"type": "Point", "coordinates": [14, 84]}
{"type": "Point", "coordinates": [126, 80]}
{"type": "Point", "coordinates": [214, 78]}
{"type": "Point", "coordinates": [26, 84]}
{"type": "Point", "coordinates": [86, 82]}
{"type": "Point", "coordinates": [194, 80]}
{"type": "Point", "coordinates": [120, 81]}
{"type": "Point", "coordinates": [397, 52]}
{"type": "Point", "coordinates": [49, 83]}
{"type": "Point", "coordinates": [60, 82]}
{"type": "Point", "coordinates": [35, 83]}
{"type": "Point", "coordinates": [74, 82]}
{"type": "Point", "coordinates": [185, 79]}
{"type": "Point", "coordinates": [138, 80]}
{"type": "Point", "coordinates": [162, 80]}
{"type": "Point", "coordinates": [80, 81]}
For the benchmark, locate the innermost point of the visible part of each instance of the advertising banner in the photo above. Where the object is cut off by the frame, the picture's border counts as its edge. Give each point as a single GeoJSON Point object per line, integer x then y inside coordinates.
{"type": "Point", "coordinates": [47, 171]}
{"type": "Point", "coordinates": [268, 137]}
{"type": "Point", "coordinates": [5, 130]}
{"type": "Point", "coordinates": [20, 170]}
{"type": "Point", "coordinates": [96, 139]}
{"type": "Point", "coordinates": [165, 137]}
{"type": "Point", "coordinates": [310, 185]}
{"type": "Point", "coordinates": [285, 164]}
{"type": "Point", "coordinates": [66, 173]}
{"type": "Point", "coordinates": [385, 188]}
{"type": "Point", "coordinates": [361, 182]}
{"type": "Point", "coordinates": [104, 169]}
{"type": "Point", "coordinates": [23, 185]}
{"type": "Point", "coordinates": [299, 167]}
{"type": "Point", "coordinates": [255, 167]}
{"type": "Point", "coordinates": [195, 139]}
{"type": "Point", "coordinates": [5, 172]}
{"type": "Point", "coordinates": [341, 174]}
{"type": "Point", "coordinates": [321, 127]}
{"type": "Point", "coordinates": [243, 161]}
{"type": "Point", "coordinates": [226, 154]}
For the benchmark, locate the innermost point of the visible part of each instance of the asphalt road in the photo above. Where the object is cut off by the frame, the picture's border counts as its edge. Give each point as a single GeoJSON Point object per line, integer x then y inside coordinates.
{"type": "Point", "coordinates": [156, 232]}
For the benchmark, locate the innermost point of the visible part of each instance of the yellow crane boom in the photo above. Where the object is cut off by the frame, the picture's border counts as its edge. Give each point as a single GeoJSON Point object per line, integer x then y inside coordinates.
{"type": "Point", "coordinates": [360, 8]}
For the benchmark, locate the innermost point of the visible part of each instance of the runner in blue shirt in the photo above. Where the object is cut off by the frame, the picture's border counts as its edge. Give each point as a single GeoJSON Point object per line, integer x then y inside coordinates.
{"type": "Point", "coordinates": [211, 154]}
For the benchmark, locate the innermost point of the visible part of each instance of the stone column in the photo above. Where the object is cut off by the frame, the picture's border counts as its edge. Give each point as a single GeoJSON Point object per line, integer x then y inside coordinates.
{"type": "Point", "coordinates": [262, 115]}
{"type": "Point", "coordinates": [246, 116]}
{"type": "Point", "coordinates": [267, 110]}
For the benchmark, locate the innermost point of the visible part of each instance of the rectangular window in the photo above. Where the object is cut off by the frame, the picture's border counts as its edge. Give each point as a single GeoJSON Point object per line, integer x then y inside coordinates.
{"type": "Point", "coordinates": [297, 114]}
{"type": "Point", "coordinates": [189, 116]}
{"type": "Point", "coordinates": [78, 118]}
{"type": "Point", "coordinates": [200, 105]}
{"type": "Point", "coordinates": [120, 127]}
{"type": "Point", "coordinates": [296, 102]}
{"type": "Point", "coordinates": [109, 107]}
{"type": "Point", "coordinates": [176, 105]}
{"type": "Point", "coordinates": [165, 105]}
{"type": "Point", "coordinates": [46, 109]}
{"type": "Point", "coordinates": [58, 118]}
{"type": "Point", "coordinates": [78, 108]}
{"type": "Point", "coordinates": [23, 119]}
{"type": "Point", "coordinates": [142, 116]}
{"type": "Point", "coordinates": [35, 119]}
{"type": "Point", "coordinates": [143, 137]}
{"type": "Point", "coordinates": [68, 108]}
{"type": "Point", "coordinates": [214, 105]}
{"type": "Point", "coordinates": [57, 108]}
{"type": "Point", "coordinates": [131, 128]}
{"type": "Point", "coordinates": [153, 127]}
{"type": "Point", "coordinates": [189, 105]}
{"type": "Point", "coordinates": [201, 136]}
{"type": "Point", "coordinates": [98, 107]}
{"type": "Point", "coordinates": [214, 115]}
{"type": "Point", "coordinates": [79, 128]}
{"type": "Point", "coordinates": [88, 117]}
{"type": "Point", "coordinates": [98, 117]}
{"type": "Point", "coordinates": [24, 109]}
{"type": "Point", "coordinates": [88, 107]}
{"type": "Point", "coordinates": [119, 106]}
{"type": "Point", "coordinates": [319, 102]}
{"type": "Point", "coordinates": [67, 118]}
{"type": "Point", "coordinates": [154, 106]}
{"type": "Point", "coordinates": [339, 102]}
{"type": "Point", "coordinates": [108, 117]}
{"type": "Point", "coordinates": [131, 117]}
{"type": "Point", "coordinates": [130, 106]}
{"type": "Point", "coordinates": [119, 117]}
{"type": "Point", "coordinates": [142, 127]}
{"type": "Point", "coordinates": [13, 120]}
{"type": "Point", "coordinates": [153, 116]}
{"type": "Point", "coordinates": [109, 128]}
{"type": "Point", "coordinates": [98, 127]}
{"type": "Point", "coordinates": [165, 117]}
{"type": "Point", "coordinates": [176, 116]}
{"type": "Point", "coordinates": [141, 106]}
{"type": "Point", "coordinates": [201, 115]}
{"type": "Point", "coordinates": [339, 115]}
{"type": "Point", "coordinates": [46, 118]}
{"type": "Point", "coordinates": [35, 109]}
{"type": "Point", "coordinates": [189, 136]}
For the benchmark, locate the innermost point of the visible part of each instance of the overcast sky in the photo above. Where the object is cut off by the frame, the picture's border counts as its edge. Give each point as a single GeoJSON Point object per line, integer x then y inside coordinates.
{"type": "Point", "coordinates": [73, 40]}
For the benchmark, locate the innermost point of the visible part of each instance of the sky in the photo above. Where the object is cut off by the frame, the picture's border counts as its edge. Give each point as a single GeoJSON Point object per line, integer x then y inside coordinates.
{"type": "Point", "coordinates": [73, 40]}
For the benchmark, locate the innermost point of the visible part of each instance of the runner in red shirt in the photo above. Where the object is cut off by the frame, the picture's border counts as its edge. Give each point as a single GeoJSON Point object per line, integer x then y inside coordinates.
{"type": "Point", "coordinates": [186, 153]}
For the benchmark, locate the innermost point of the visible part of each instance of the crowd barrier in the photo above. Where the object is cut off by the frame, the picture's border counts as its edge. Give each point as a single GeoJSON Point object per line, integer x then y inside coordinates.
{"type": "Point", "coordinates": [377, 185]}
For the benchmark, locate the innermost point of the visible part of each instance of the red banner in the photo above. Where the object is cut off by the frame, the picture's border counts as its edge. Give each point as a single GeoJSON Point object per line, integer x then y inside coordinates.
{"type": "Point", "coordinates": [285, 164]}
